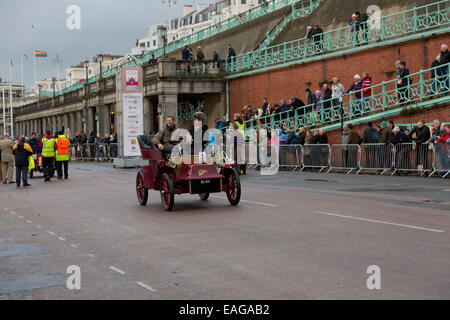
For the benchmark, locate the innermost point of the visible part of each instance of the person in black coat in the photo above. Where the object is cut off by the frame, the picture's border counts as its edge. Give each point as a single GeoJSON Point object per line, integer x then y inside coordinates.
{"type": "Point", "coordinates": [403, 83]}
{"type": "Point", "coordinates": [197, 131]}
{"type": "Point", "coordinates": [420, 135]}
{"type": "Point", "coordinates": [22, 151]}
{"type": "Point", "coordinates": [91, 142]}
{"type": "Point", "coordinates": [301, 136]}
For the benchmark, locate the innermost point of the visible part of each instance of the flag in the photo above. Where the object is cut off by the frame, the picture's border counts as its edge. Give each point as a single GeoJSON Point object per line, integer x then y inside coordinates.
{"type": "Point", "coordinates": [40, 54]}
{"type": "Point", "coordinates": [11, 63]}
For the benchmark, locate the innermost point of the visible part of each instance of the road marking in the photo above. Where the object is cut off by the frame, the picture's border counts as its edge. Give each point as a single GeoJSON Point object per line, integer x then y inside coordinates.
{"type": "Point", "coordinates": [20, 217]}
{"type": "Point", "coordinates": [116, 270]}
{"type": "Point", "coordinates": [51, 233]}
{"type": "Point", "coordinates": [61, 238]}
{"type": "Point", "coordinates": [40, 227]}
{"type": "Point", "coordinates": [12, 212]}
{"type": "Point", "coordinates": [91, 255]}
{"type": "Point", "coordinates": [28, 221]}
{"type": "Point", "coordinates": [5, 208]}
{"type": "Point", "coordinates": [379, 221]}
{"type": "Point", "coordinates": [73, 245]}
{"type": "Point", "coordinates": [446, 190]}
{"type": "Point", "coordinates": [247, 201]}
{"type": "Point", "coordinates": [145, 286]}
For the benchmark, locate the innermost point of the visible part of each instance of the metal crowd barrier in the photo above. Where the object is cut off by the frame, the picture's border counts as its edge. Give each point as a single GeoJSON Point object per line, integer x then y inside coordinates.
{"type": "Point", "coordinates": [345, 157]}
{"type": "Point", "coordinates": [377, 156]}
{"type": "Point", "coordinates": [316, 156]}
{"type": "Point", "coordinates": [290, 156]}
{"type": "Point", "coordinates": [441, 163]}
{"type": "Point", "coordinates": [91, 151]}
{"type": "Point", "coordinates": [413, 157]}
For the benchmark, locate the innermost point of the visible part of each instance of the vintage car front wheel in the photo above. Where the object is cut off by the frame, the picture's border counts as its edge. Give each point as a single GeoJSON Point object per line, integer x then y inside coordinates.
{"type": "Point", "coordinates": [233, 189]}
{"type": "Point", "coordinates": [141, 191]}
{"type": "Point", "coordinates": [167, 193]}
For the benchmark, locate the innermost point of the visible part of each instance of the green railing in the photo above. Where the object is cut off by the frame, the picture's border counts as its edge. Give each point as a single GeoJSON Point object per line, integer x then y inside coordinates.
{"type": "Point", "coordinates": [307, 6]}
{"type": "Point", "coordinates": [418, 19]}
{"type": "Point", "coordinates": [296, 12]}
{"type": "Point", "coordinates": [384, 96]}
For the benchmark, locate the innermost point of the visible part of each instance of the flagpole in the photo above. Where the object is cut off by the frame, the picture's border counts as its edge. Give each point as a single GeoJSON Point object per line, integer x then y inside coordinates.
{"type": "Point", "coordinates": [23, 85]}
{"type": "Point", "coordinates": [11, 98]}
{"type": "Point", "coordinates": [35, 91]}
{"type": "Point", "coordinates": [4, 110]}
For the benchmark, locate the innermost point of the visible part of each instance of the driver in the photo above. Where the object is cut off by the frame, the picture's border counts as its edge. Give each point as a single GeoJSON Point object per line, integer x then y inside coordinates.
{"type": "Point", "coordinates": [163, 139]}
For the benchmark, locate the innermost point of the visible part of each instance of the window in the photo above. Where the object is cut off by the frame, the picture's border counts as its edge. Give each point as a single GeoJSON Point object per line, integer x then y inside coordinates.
{"type": "Point", "coordinates": [154, 43]}
{"type": "Point", "coordinates": [142, 45]}
{"type": "Point", "coordinates": [148, 44]}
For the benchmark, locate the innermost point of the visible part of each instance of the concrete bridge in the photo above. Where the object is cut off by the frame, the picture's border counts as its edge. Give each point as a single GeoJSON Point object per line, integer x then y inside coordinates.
{"type": "Point", "coordinates": [92, 108]}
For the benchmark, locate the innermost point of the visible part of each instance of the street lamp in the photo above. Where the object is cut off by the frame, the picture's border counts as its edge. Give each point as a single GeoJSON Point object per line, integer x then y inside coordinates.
{"type": "Point", "coordinates": [53, 85]}
{"type": "Point", "coordinates": [169, 3]}
{"type": "Point", "coordinates": [100, 60]}
{"type": "Point", "coordinates": [164, 36]}
{"type": "Point", "coordinates": [86, 66]}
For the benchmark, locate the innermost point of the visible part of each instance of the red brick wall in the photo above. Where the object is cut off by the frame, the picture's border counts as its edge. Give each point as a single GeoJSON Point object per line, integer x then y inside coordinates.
{"type": "Point", "coordinates": [291, 81]}
{"type": "Point", "coordinates": [442, 113]}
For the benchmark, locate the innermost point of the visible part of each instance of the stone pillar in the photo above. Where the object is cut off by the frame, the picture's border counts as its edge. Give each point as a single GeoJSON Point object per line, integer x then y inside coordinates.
{"type": "Point", "coordinates": [79, 122]}
{"type": "Point", "coordinates": [104, 120]}
{"type": "Point", "coordinates": [147, 115]}
{"type": "Point", "coordinates": [90, 120]}
{"type": "Point", "coordinates": [54, 125]}
{"type": "Point", "coordinates": [169, 105]}
{"type": "Point", "coordinates": [72, 127]}
{"type": "Point", "coordinates": [65, 122]}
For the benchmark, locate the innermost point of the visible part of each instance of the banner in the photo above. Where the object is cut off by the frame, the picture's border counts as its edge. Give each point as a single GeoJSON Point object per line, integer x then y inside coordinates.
{"type": "Point", "coordinates": [130, 103]}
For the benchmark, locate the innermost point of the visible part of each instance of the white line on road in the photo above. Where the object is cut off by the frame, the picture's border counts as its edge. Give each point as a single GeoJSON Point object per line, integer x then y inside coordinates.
{"type": "Point", "coordinates": [446, 190]}
{"type": "Point", "coordinates": [378, 221]}
{"type": "Point", "coordinates": [116, 270]}
{"type": "Point", "coordinates": [247, 201]}
{"type": "Point", "coordinates": [73, 245]}
{"type": "Point", "coordinates": [61, 238]}
{"type": "Point", "coordinates": [51, 233]}
{"type": "Point", "coordinates": [28, 221]}
{"type": "Point", "coordinates": [145, 286]}
{"type": "Point", "coordinates": [12, 212]}
{"type": "Point", "coordinates": [91, 255]}
{"type": "Point", "coordinates": [40, 227]}
{"type": "Point", "coordinates": [5, 208]}
{"type": "Point", "coordinates": [20, 217]}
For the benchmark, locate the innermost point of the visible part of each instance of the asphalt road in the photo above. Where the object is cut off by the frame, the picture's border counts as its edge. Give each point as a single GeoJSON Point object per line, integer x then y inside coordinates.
{"type": "Point", "coordinates": [294, 236]}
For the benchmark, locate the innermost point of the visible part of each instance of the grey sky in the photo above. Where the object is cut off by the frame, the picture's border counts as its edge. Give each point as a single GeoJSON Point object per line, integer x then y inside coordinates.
{"type": "Point", "coordinates": [107, 26]}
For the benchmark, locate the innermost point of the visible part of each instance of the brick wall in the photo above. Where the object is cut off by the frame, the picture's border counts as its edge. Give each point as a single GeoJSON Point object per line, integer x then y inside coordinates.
{"type": "Point", "coordinates": [291, 81]}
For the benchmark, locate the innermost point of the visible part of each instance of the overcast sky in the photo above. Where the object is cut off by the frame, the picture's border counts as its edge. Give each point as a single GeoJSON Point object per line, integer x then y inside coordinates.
{"type": "Point", "coordinates": [107, 26]}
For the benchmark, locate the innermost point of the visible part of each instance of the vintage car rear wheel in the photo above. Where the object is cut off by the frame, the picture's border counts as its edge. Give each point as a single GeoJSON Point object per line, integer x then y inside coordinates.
{"type": "Point", "coordinates": [233, 187]}
{"type": "Point", "coordinates": [204, 196]}
{"type": "Point", "coordinates": [141, 191]}
{"type": "Point", "coordinates": [167, 194]}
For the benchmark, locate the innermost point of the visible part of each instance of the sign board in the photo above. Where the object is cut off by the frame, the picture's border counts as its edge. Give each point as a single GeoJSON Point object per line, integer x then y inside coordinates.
{"type": "Point", "coordinates": [130, 102]}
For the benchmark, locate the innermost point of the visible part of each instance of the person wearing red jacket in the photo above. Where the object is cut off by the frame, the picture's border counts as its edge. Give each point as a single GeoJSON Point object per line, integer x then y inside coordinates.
{"type": "Point", "coordinates": [366, 91]}
{"type": "Point", "coordinates": [49, 147]}
{"type": "Point", "coordinates": [442, 145]}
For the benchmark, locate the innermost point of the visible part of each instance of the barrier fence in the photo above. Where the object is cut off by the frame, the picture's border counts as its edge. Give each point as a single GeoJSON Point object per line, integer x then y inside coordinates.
{"type": "Point", "coordinates": [93, 151]}
{"type": "Point", "coordinates": [407, 157]}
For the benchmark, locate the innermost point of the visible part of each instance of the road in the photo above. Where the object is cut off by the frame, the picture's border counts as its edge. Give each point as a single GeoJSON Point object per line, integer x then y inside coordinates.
{"type": "Point", "coordinates": [294, 236]}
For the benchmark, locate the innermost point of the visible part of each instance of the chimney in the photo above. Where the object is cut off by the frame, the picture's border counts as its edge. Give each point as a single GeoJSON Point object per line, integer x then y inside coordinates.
{"type": "Point", "coordinates": [188, 8]}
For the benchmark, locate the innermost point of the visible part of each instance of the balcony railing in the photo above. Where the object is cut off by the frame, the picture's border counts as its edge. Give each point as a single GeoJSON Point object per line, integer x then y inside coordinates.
{"type": "Point", "coordinates": [418, 19]}
{"type": "Point", "coordinates": [381, 97]}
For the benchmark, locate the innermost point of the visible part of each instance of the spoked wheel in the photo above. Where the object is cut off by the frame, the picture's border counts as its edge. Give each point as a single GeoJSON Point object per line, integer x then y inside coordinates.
{"type": "Point", "coordinates": [141, 191]}
{"type": "Point", "coordinates": [204, 196]}
{"type": "Point", "coordinates": [167, 195]}
{"type": "Point", "coordinates": [233, 187]}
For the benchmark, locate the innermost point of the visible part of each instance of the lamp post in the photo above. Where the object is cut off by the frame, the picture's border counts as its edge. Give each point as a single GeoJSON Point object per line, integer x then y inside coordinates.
{"type": "Point", "coordinates": [169, 3]}
{"type": "Point", "coordinates": [86, 66]}
{"type": "Point", "coordinates": [53, 86]}
{"type": "Point", "coordinates": [164, 36]}
{"type": "Point", "coordinates": [100, 60]}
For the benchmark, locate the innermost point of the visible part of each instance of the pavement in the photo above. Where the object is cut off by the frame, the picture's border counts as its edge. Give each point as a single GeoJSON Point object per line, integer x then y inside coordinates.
{"type": "Point", "coordinates": [296, 235]}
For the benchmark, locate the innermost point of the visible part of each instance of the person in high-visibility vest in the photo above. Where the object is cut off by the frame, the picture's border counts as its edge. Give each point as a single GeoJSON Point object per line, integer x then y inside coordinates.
{"type": "Point", "coordinates": [238, 121]}
{"type": "Point", "coordinates": [48, 145]}
{"type": "Point", "coordinates": [62, 156]}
